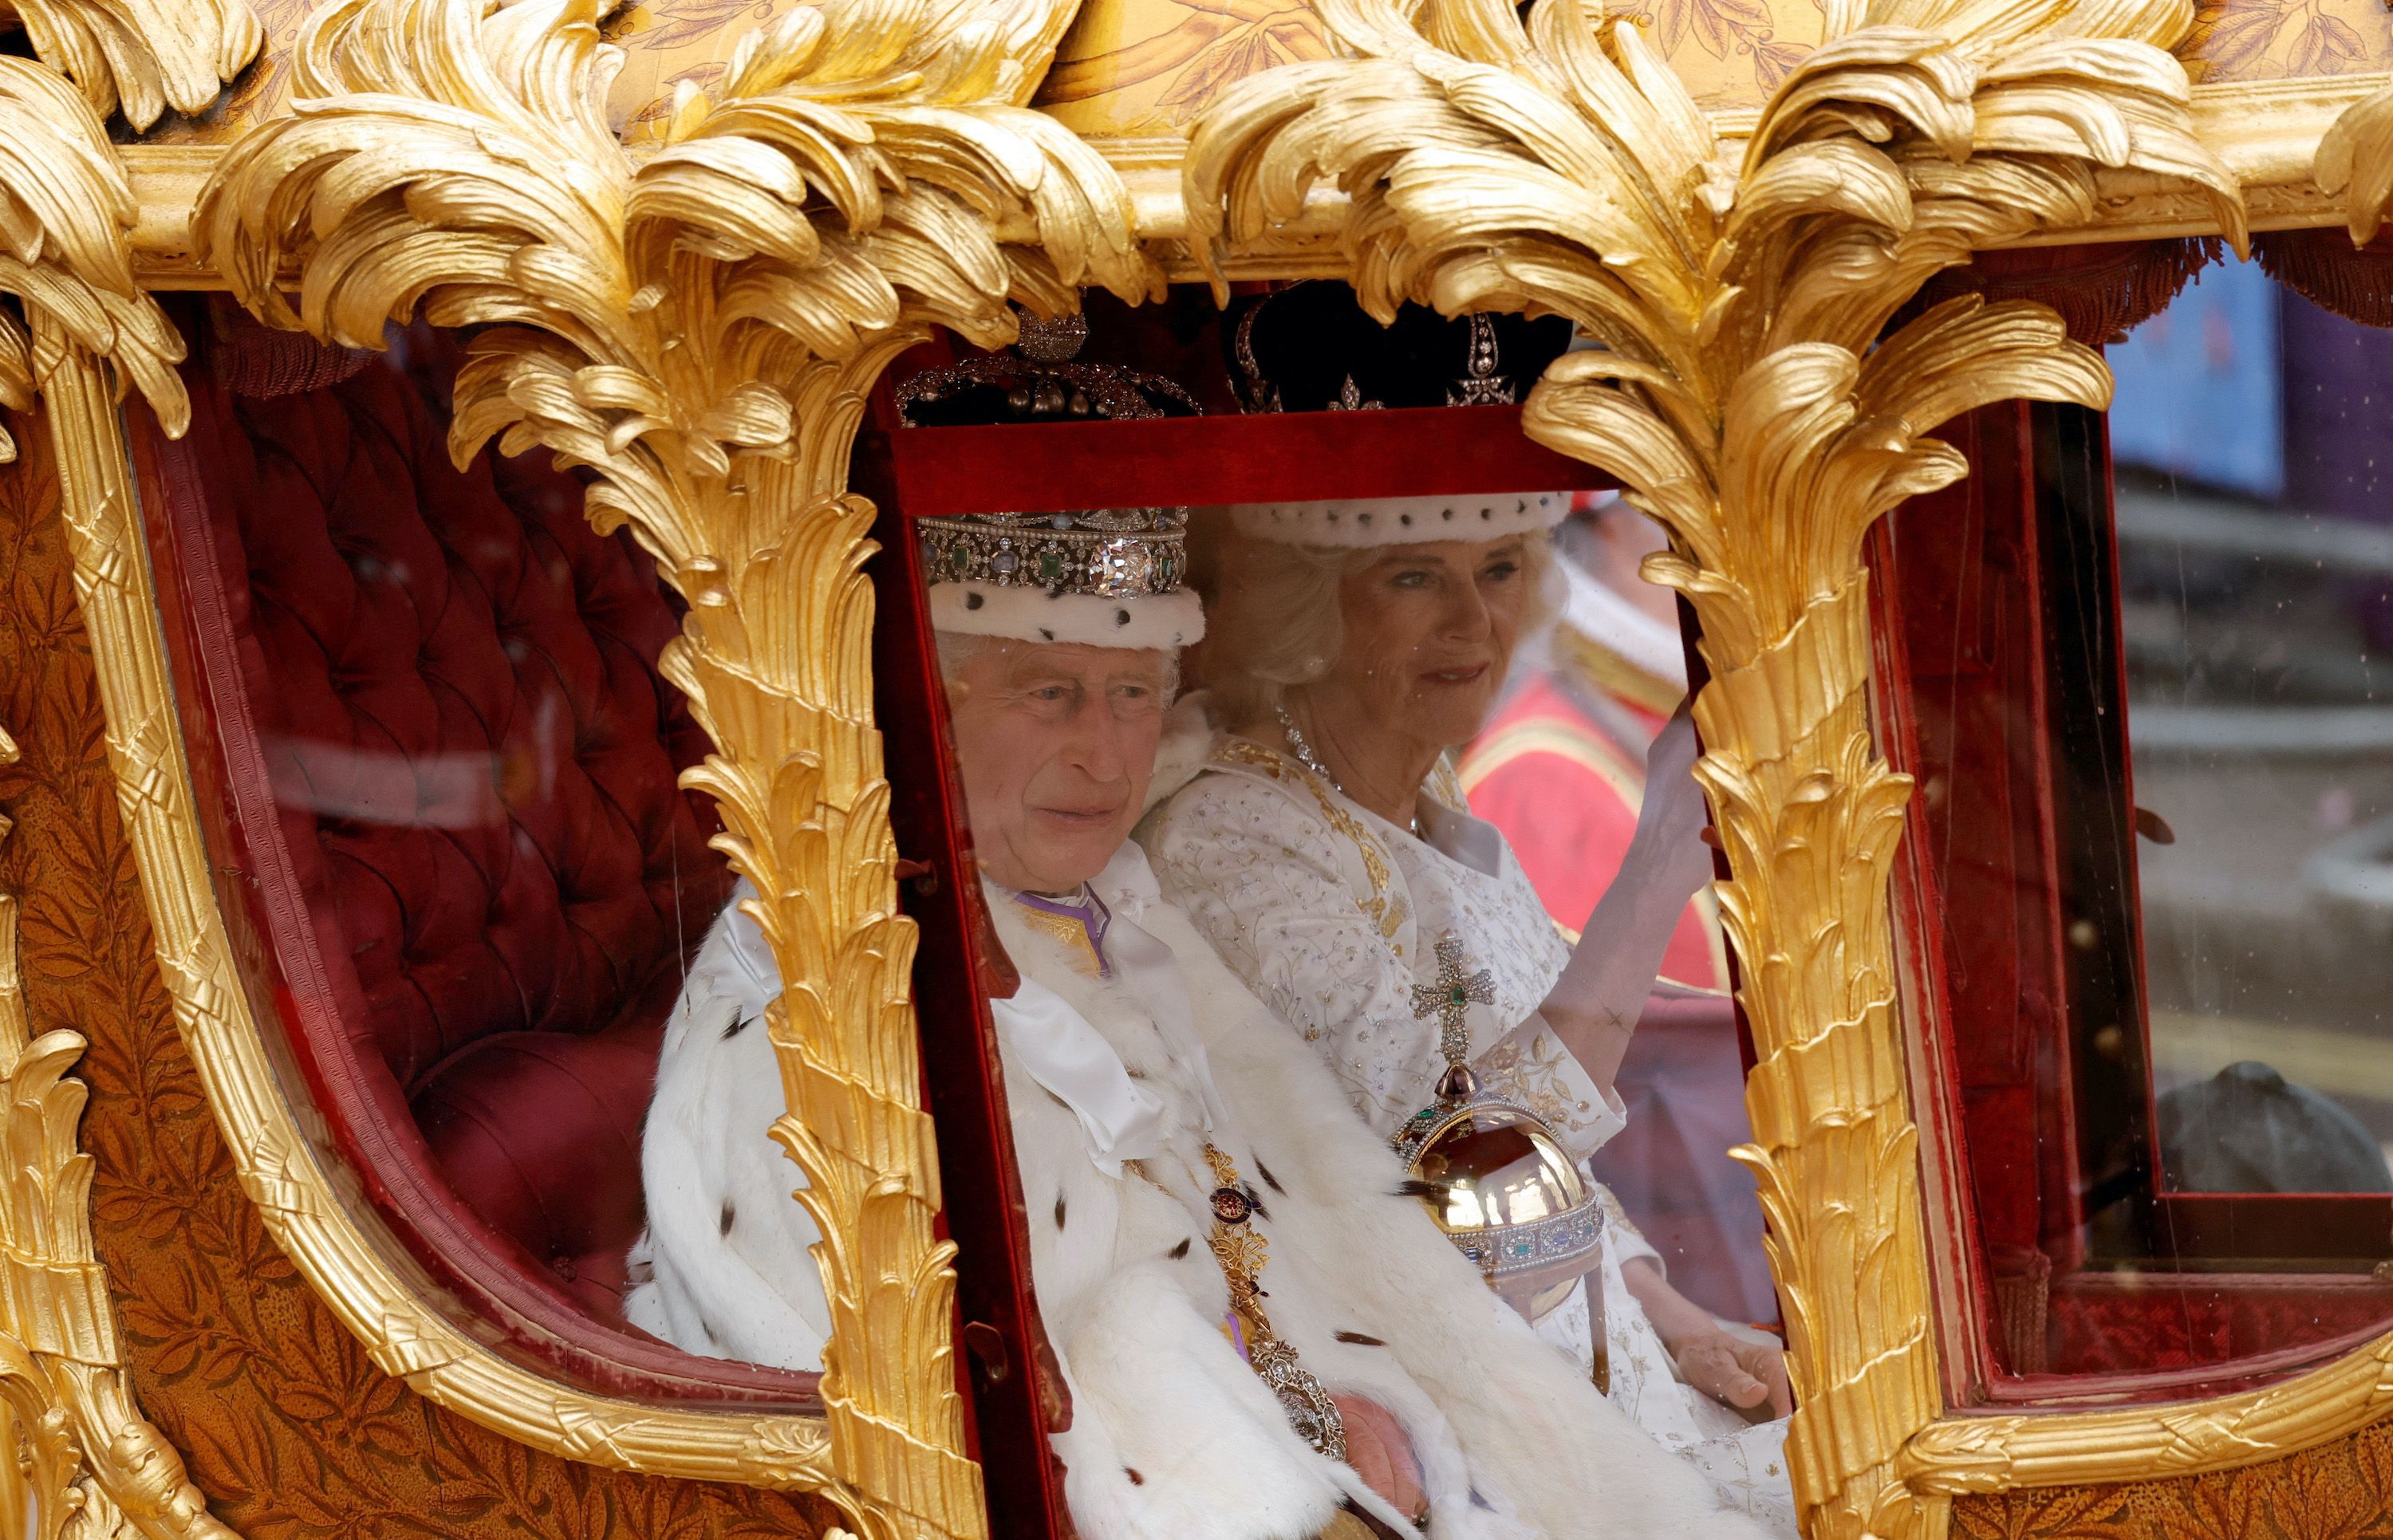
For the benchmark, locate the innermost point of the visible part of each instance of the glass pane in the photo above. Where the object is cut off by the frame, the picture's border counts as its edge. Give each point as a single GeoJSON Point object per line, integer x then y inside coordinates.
{"type": "Point", "coordinates": [2255, 565]}
{"type": "Point", "coordinates": [2152, 746]}
{"type": "Point", "coordinates": [1294, 820]}
{"type": "Point", "coordinates": [437, 763]}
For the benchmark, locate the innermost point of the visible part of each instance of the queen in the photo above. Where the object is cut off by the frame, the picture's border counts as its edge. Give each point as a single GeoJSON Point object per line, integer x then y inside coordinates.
{"type": "Point", "coordinates": [1324, 847]}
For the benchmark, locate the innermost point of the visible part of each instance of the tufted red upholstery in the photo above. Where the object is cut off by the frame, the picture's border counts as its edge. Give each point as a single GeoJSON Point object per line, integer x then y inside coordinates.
{"type": "Point", "coordinates": [445, 762]}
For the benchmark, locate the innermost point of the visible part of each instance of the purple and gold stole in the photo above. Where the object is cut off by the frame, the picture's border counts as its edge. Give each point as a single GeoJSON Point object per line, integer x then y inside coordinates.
{"type": "Point", "coordinates": [1078, 923]}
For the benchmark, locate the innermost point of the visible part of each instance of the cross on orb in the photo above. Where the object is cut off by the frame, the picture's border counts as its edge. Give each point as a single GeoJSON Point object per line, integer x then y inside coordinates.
{"type": "Point", "coordinates": [1449, 998]}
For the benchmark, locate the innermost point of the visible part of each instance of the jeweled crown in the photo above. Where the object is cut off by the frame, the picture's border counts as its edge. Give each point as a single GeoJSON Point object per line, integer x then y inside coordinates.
{"type": "Point", "coordinates": [1313, 347]}
{"type": "Point", "coordinates": [1112, 553]}
{"type": "Point", "coordinates": [1107, 552]}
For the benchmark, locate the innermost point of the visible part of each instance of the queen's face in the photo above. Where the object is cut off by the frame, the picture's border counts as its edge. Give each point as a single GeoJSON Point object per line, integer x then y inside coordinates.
{"type": "Point", "coordinates": [1430, 631]}
{"type": "Point", "coordinates": [1055, 745]}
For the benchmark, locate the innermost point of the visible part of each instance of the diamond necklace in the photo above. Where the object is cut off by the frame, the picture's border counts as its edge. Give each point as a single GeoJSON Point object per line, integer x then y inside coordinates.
{"type": "Point", "coordinates": [1302, 748]}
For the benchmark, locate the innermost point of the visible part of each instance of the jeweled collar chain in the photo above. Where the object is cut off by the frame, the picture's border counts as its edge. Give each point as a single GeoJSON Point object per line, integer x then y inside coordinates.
{"type": "Point", "coordinates": [1240, 1250]}
{"type": "Point", "coordinates": [1302, 748]}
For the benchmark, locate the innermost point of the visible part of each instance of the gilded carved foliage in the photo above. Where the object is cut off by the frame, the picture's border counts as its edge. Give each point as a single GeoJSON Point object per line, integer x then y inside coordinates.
{"type": "Point", "coordinates": [699, 328]}
{"type": "Point", "coordinates": [143, 55]}
{"type": "Point", "coordinates": [1748, 397]}
{"type": "Point", "coordinates": [2355, 162]}
{"type": "Point", "coordinates": [88, 1463]}
{"type": "Point", "coordinates": [92, 1468]}
{"type": "Point", "coordinates": [66, 209]}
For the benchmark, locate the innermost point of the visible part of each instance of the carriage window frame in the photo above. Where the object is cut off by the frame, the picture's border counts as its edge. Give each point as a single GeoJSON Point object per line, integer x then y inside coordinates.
{"type": "Point", "coordinates": [2046, 470]}
{"type": "Point", "coordinates": [910, 472]}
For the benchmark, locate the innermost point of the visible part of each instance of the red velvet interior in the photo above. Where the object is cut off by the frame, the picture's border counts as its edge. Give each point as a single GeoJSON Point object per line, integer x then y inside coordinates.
{"type": "Point", "coordinates": [1974, 648]}
{"type": "Point", "coordinates": [438, 766]}
{"type": "Point", "coordinates": [2200, 1334]}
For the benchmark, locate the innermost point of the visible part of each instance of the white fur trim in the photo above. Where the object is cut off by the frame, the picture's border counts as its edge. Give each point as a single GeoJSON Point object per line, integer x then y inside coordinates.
{"type": "Point", "coordinates": [1513, 1442]}
{"type": "Point", "coordinates": [1189, 738]}
{"type": "Point", "coordinates": [1172, 1437]}
{"type": "Point", "coordinates": [731, 1273]}
{"type": "Point", "coordinates": [1165, 622]}
{"type": "Point", "coordinates": [1401, 520]}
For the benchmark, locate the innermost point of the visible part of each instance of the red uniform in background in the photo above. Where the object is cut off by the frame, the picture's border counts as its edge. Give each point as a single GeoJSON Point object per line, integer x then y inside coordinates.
{"type": "Point", "coordinates": [1561, 771]}
{"type": "Point", "coordinates": [1565, 793]}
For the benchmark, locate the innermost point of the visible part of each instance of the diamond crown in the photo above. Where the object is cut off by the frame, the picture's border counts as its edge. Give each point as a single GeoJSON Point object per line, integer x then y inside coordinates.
{"type": "Point", "coordinates": [1113, 552]}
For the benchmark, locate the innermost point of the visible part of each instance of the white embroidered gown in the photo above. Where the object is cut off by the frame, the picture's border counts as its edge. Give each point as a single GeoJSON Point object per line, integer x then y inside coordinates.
{"type": "Point", "coordinates": [1332, 915]}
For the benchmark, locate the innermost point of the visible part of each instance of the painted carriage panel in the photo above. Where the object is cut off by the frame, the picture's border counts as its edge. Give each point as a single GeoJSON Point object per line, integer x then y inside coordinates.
{"type": "Point", "coordinates": [244, 1351]}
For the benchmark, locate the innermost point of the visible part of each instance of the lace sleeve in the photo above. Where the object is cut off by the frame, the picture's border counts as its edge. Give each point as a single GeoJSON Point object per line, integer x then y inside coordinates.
{"type": "Point", "coordinates": [1268, 883]}
{"type": "Point", "coordinates": [1531, 1066]}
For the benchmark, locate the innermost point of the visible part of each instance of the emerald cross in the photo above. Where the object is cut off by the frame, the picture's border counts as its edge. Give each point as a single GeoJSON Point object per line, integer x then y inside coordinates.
{"type": "Point", "coordinates": [1449, 998]}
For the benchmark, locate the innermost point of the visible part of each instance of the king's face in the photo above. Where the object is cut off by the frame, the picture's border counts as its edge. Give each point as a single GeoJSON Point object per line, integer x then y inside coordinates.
{"type": "Point", "coordinates": [1056, 745]}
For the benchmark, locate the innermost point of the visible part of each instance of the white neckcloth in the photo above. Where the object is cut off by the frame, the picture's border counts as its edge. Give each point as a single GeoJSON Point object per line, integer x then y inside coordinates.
{"type": "Point", "coordinates": [1056, 1045]}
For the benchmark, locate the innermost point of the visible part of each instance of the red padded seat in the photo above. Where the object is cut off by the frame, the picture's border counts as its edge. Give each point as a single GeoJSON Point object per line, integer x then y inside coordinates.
{"type": "Point", "coordinates": [429, 732]}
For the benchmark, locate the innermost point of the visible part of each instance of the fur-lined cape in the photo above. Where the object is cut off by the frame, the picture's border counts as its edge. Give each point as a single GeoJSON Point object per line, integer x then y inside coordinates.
{"type": "Point", "coordinates": [1173, 1436]}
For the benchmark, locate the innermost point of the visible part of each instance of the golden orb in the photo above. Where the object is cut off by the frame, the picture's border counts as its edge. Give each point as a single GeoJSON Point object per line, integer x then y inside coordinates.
{"type": "Point", "coordinates": [1496, 1181]}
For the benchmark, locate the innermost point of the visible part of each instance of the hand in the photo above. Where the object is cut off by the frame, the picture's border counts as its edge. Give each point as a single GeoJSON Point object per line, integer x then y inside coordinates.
{"type": "Point", "coordinates": [1671, 820]}
{"type": "Point", "coordinates": [1381, 1455]}
{"type": "Point", "coordinates": [1735, 1372]}
{"type": "Point", "coordinates": [1672, 752]}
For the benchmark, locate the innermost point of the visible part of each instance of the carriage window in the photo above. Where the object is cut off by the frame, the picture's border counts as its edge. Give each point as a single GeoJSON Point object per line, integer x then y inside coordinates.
{"type": "Point", "coordinates": [437, 761]}
{"type": "Point", "coordinates": [2256, 601]}
{"type": "Point", "coordinates": [1290, 790]}
{"type": "Point", "coordinates": [2153, 729]}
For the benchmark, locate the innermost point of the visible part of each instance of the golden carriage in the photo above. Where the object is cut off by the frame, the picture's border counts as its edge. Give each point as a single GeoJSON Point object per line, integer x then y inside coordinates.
{"type": "Point", "coordinates": [679, 246]}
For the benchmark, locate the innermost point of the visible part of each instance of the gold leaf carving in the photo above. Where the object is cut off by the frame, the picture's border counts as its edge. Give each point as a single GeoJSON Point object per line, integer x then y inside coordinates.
{"type": "Point", "coordinates": [66, 210]}
{"type": "Point", "coordinates": [1747, 398]}
{"type": "Point", "coordinates": [2355, 160]}
{"type": "Point", "coordinates": [141, 55]}
{"type": "Point", "coordinates": [701, 329]}
{"type": "Point", "coordinates": [88, 1462]}
{"type": "Point", "coordinates": [90, 1465]}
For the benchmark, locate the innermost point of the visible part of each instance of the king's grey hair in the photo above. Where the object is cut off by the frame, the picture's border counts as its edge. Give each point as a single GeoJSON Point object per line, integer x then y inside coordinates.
{"type": "Point", "coordinates": [956, 650]}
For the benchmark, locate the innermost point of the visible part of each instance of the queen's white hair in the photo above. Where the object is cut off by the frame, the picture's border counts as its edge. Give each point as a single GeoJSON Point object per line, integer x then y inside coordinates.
{"type": "Point", "coordinates": [1273, 618]}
